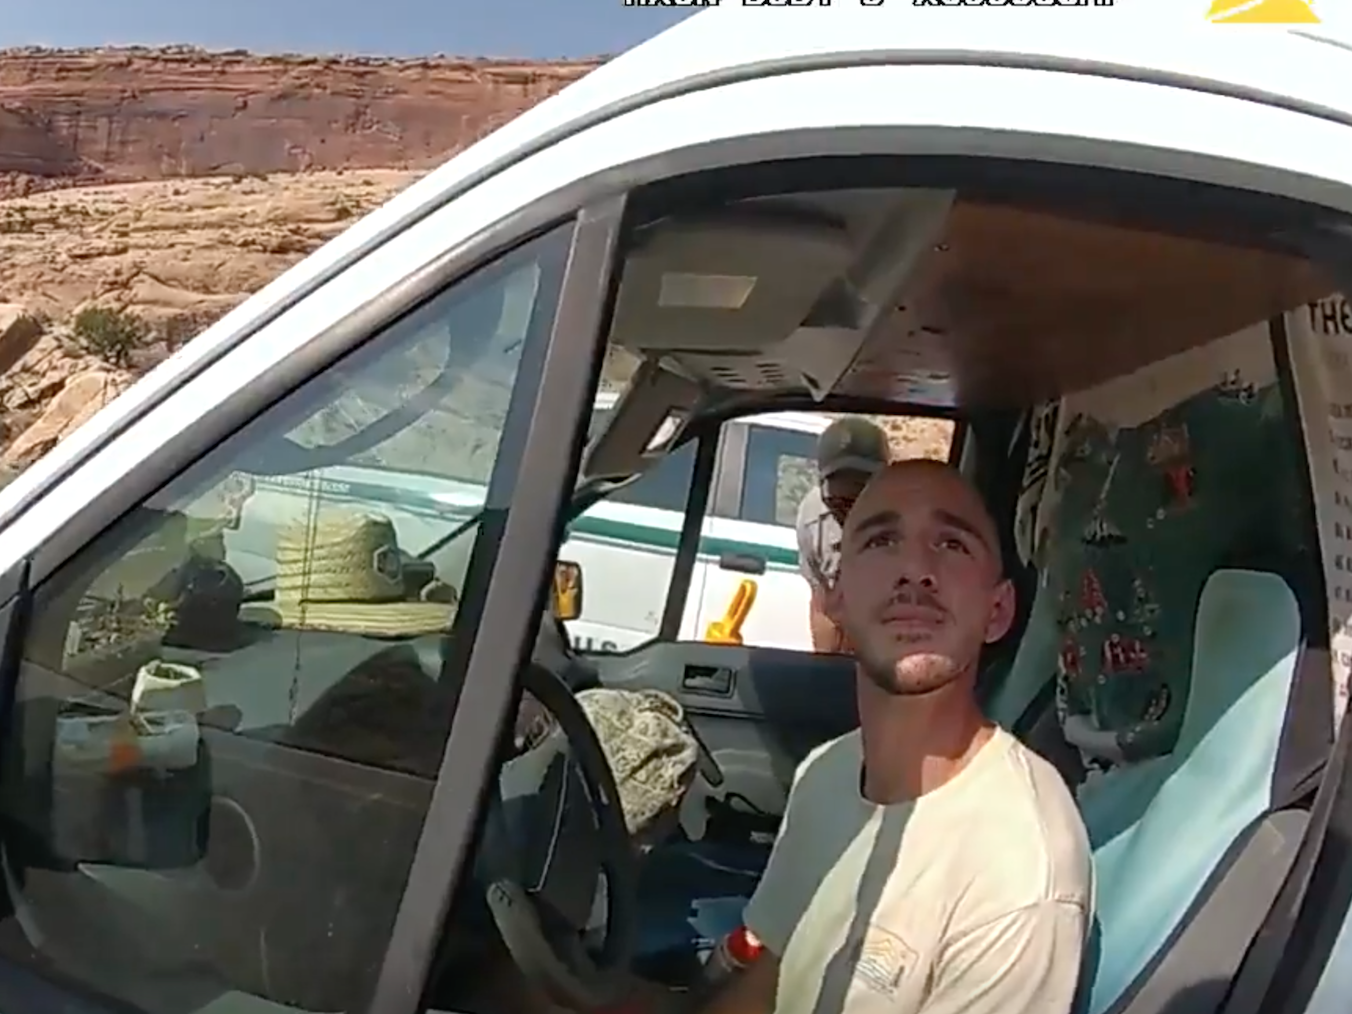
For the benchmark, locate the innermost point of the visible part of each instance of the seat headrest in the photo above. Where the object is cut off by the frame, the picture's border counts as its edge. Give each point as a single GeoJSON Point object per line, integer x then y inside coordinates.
{"type": "Point", "coordinates": [1247, 622]}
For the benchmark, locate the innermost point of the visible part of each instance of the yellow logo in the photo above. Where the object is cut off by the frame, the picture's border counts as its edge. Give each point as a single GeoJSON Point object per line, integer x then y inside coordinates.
{"type": "Point", "coordinates": [1262, 12]}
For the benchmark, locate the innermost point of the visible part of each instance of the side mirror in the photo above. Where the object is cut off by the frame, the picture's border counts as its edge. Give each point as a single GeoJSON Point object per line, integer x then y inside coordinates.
{"type": "Point", "coordinates": [566, 598]}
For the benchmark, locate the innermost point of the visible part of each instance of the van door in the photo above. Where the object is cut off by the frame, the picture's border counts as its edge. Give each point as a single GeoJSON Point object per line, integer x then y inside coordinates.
{"type": "Point", "coordinates": [755, 538]}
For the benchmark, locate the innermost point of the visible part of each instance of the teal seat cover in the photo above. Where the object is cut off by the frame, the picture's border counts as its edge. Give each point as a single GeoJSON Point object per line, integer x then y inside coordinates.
{"type": "Point", "coordinates": [1160, 621]}
{"type": "Point", "coordinates": [1160, 828]}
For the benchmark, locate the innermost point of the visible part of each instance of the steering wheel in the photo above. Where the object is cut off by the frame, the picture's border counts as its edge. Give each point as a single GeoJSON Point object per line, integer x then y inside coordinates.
{"type": "Point", "coordinates": [554, 829]}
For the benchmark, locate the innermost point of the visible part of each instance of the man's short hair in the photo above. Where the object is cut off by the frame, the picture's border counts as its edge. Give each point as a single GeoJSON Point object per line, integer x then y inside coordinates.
{"type": "Point", "coordinates": [851, 444]}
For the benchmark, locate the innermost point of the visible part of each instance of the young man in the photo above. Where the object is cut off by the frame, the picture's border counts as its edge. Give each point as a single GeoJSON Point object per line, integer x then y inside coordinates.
{"type": "Point", "coordinates": [928, 863]}
{"type": "Point", "coordinates": [849, 452]}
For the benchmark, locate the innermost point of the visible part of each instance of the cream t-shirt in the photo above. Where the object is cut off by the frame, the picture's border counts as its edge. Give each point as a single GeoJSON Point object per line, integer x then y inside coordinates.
{"type": "Point", "coordinates": [976, 898]}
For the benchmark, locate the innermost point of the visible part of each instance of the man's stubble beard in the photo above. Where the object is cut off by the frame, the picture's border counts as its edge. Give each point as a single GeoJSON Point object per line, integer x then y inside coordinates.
{"type": "Point", "coordinates": [881, 670]}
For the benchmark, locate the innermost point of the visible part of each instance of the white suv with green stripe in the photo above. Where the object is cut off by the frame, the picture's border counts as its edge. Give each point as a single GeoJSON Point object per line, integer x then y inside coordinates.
{"type": "Point", "coordinates": [626, 544]}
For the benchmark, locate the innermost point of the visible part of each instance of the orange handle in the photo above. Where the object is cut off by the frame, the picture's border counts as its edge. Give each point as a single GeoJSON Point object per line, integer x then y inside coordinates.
{"type": "Point", "coordinates": [728, 630]}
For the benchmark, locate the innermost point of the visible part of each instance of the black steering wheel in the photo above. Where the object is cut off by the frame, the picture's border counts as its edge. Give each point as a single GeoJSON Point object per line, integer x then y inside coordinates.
{"type": "Point", "coordinates": [554, 831]}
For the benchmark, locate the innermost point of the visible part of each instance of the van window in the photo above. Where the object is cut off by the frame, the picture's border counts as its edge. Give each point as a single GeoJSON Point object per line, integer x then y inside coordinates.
{"type": "Point", "coordinates": [781, 464]}
{"type": "Point", "coordinates": [214, 786]}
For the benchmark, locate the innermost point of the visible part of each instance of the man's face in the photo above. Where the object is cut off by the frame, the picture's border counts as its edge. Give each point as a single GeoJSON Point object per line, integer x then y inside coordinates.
{"type": "Point", "coordinates": [841, 490]}
{"type": "Point", "coordinates": [920, 588]}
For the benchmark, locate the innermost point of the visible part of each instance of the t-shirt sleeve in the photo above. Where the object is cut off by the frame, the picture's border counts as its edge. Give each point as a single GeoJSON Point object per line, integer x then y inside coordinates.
{"type": "Point", "coordinates": [1028, 960]}
{"type": "Point", "coordinates": [770, 913]}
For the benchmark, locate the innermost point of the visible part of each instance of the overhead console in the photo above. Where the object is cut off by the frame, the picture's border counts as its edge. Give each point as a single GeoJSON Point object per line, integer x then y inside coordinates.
{"type": "Point", "coordinates": [773, 294]}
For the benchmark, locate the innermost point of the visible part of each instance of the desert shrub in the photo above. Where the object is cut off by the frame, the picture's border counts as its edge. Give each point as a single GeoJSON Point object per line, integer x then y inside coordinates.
{"type": "Point", "coordinates": [343, 208]}
{"type": "Point", "coordinates": [181, 328]}
{"type": "Point", "coordinates": [111, 335]}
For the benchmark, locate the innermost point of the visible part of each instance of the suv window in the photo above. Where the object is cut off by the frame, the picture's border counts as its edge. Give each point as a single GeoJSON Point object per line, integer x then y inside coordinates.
{"type": "Point", "coordinates": [781, 466]}
{"type": "Point", "coordinates": [227, 720]}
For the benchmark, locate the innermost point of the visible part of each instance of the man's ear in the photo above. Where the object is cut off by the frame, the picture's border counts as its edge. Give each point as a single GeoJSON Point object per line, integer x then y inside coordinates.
{"type": "Point", "coordinates": [1002, 611]}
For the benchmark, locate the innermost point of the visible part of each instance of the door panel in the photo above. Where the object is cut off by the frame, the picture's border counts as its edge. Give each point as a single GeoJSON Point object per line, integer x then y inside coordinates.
{"type": "Point", "coordinates": [759, 711]}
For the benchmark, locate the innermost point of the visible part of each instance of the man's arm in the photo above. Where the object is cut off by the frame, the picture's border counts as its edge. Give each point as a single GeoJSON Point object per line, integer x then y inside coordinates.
{"type": "Point", "coordinates": [773, 912]}
{"type": "Point", "coordinates": [751, 991]}
{"type": "Point", "coordinates": [826, 635]}
{"type": "Point", "coordinates": [1028, 960]}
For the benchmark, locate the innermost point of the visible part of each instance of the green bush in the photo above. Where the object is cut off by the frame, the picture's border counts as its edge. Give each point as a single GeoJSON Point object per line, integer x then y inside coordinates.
{"type": "Point", "coordinates": [111, 335]}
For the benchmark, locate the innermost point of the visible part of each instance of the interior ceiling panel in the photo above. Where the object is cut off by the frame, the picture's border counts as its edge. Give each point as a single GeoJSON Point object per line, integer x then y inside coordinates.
{"type": "Point", "coordinates": [1017, 306]}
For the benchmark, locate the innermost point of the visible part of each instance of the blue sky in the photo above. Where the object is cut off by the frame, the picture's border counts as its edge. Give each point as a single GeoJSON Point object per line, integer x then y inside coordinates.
{"type": "Point", "coordinates": [514, 28]}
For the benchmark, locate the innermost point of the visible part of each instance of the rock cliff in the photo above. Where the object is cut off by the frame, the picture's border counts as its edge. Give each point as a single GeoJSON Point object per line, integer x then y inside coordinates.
{"type": "Point", "coordinates": [167, 184]}
{"type": "Point", "coordinates": [138, 114]}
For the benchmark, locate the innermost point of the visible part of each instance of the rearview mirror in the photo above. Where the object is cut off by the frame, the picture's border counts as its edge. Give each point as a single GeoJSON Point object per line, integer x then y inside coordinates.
{"type": "Point", "coordinates": [566, 598]}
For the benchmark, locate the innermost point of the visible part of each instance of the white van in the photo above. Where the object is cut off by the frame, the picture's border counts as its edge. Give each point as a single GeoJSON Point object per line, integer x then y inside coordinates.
{"type": "Point", "coordinates": [1106, 240]}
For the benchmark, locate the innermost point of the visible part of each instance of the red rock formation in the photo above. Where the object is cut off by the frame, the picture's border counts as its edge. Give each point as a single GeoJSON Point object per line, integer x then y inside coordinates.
{"type": "Point", "coordinates": [73, 116]}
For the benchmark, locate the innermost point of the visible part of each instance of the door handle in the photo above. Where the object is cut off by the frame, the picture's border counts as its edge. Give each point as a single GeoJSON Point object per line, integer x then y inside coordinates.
{"type": "Point", "coordinates": [707, 681]}
{"type": "Point", "coordinates": [742, 563]}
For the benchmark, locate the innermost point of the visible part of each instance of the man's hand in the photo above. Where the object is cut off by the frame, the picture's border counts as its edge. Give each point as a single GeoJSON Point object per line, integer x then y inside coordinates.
{"type": "Point", "coordinates": [750, 991]}
{"type": "Point", "coordinates": [826, 636]}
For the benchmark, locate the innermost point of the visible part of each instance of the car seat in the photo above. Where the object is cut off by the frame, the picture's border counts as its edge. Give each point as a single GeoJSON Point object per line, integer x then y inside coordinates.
{"type": "Point", "coordinates": [1174, 657]}
{"type": "Point", "coordinates": [1162, 828]}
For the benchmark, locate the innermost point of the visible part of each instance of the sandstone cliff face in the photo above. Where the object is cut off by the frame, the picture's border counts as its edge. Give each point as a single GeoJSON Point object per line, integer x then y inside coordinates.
{"type": "Point", "coordinates": [138, 114]}
{"type": "Point", "coordinates": [172, 254]}
{"type": "Point", "coordinates": [258, 133]}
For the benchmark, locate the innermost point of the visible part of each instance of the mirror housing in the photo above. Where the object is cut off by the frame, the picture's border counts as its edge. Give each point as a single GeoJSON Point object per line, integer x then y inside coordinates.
{"type": "Point", "coordinates": [566, 590]}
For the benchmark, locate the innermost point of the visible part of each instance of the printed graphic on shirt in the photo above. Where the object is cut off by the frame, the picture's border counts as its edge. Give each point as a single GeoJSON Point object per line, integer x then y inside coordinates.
{"type": "Point", "coordinates": [883, 960]}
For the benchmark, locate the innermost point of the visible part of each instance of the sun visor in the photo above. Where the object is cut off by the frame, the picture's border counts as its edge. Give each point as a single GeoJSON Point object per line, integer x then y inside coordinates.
{"type": "Point", "coordinates": [646, 421]}
{"type": "Point", "coordinates": [772, 303]}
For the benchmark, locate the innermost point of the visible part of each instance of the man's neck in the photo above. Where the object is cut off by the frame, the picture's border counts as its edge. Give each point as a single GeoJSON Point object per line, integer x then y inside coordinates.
{"type": "Point", "coordinates": [912, 745]}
